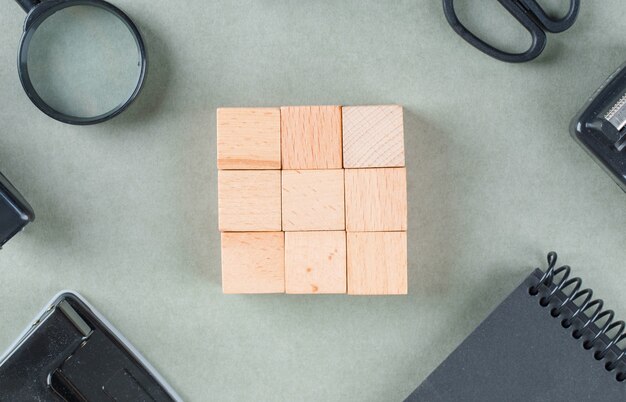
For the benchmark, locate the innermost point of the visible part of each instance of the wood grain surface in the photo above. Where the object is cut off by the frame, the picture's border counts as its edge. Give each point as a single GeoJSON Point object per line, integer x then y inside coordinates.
{"type": "Point", "coordinates": [253, 262]}
{"type": "Point", "coordinates": [377, 263]}
{"type": "Point", "coordinates": [376, 200]}
{"type": "Point", "coordinates": [373, 136]}
{"type": "Point", "coordinates": [249, 200]}
{"type": "Point", "coordinates": [248, 138]}
{"type": "Point", "coordinates": [311, 137]}
{"type": "Point", "coordinates": [315, 262]}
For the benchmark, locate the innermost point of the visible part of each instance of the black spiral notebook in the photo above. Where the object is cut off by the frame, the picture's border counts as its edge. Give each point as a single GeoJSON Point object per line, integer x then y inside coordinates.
{"type": "Point", "coordinates": [550, 340]}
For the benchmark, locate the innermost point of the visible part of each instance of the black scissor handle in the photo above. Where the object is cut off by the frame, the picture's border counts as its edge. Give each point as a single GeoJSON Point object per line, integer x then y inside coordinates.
{"type": "Point", "coordinates": [532, 17]}
{"type": "Point", "coordinates": [550, 24]}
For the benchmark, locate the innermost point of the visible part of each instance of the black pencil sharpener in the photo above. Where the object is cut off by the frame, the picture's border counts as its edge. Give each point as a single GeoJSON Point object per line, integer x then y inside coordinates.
{"type": "Point", "coordinates": [600, 127]}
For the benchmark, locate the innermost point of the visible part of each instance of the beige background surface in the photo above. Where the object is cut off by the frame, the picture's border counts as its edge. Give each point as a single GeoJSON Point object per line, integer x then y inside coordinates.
{"type": "Point", "coordinates": [127, 210]}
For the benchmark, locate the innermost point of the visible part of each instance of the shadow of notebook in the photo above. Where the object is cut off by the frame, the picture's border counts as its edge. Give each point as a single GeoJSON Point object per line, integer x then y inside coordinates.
{"type": "Point", "coordinates": [522, 352]}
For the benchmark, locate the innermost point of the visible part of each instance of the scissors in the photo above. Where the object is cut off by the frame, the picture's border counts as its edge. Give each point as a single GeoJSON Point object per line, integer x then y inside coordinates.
{"type": "Point", "coordinates": [530, 14]}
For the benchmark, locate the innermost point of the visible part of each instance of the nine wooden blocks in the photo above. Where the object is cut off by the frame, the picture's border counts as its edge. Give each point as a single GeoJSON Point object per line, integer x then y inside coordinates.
{"type": "Point", "coordinates": [312, 200]}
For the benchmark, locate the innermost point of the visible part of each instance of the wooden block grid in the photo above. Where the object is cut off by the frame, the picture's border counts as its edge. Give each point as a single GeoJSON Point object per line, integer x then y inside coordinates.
{"type": "Point", "coordinates": [313, 200]}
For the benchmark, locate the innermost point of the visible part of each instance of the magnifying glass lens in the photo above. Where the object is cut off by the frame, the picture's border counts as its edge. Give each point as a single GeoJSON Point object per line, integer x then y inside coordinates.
{"type": "Point", "coordinates": [83, 61]}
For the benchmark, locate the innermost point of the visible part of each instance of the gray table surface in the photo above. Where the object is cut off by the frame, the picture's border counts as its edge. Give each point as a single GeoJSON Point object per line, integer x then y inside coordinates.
{"type": "Point", "coordinates": [127, 210]}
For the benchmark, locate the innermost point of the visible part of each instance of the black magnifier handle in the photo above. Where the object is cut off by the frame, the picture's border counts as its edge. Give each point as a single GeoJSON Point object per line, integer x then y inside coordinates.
{"type": "Point", "coordinates": [27, 5]}
{"type": "Point", "coordinates": [537, 34]}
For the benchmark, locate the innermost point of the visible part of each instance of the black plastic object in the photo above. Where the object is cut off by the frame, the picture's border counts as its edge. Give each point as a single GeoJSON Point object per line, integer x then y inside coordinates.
{"type": "Point", "coordinates": [73, 354]}
{"type": "Point", "coordinates": [530, 14]}
{"type": "Point", "coordinates": [597, 126]}
{"type": "Point", "coordinates": [15, 212]}
{"type": "Point", "coordinates": [38, 11]}
{"type": "Point", "coordinates": [550, 340]}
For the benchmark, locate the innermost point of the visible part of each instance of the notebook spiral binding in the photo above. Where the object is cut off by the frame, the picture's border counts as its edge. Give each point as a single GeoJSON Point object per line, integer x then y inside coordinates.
{"type": "Point", "coordinates": [590, 312]}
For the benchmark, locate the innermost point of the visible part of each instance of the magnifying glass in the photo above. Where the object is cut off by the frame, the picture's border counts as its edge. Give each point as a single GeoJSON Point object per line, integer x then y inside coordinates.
{"type": "Point", "coordinates": [80, 61]}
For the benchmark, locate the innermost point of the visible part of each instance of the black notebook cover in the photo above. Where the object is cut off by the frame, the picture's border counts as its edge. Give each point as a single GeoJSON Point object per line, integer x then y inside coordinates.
{"type": "Point", "coordinates": [522, 353]}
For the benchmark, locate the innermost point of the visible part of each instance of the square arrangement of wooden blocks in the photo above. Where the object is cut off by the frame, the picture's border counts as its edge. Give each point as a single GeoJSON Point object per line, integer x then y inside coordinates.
{"type": "Point", "coordinates": [313, 200]}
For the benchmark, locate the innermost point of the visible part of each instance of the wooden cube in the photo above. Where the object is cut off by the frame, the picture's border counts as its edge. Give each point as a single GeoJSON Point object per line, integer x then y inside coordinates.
{"type": "Point", "coordinates": [249, 200]}
{"type": "Point", "coordinates": [376, 200]}
{"type": "Point", "coordinates": [253, 263]}
{"type": "Point", "coordinates": [373, 136]}
{"type": "Point", "coordinates": [315, 262]}
{"type": "Point", "coordinates": [377, 263]}
{"type": "Point", "coordinates": [311, 137]}
{"type": "Point", "coordinates": [313, 200]}
{"type": "Point", "coordinates": [248, 138]}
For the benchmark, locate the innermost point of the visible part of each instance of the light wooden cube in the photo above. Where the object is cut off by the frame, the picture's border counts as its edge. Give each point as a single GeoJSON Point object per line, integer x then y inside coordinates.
{"type": "Point", "coordinates": [373, 136]}
{"type": "Point", "coordinates": [313, 200]}
{"type": "Point", "coordinates": [253, 263]}
{"type": "Point", "coordinates": [376, 200]}
{"type": "Point", "coordinates": [248, 138]}
{"type": "Point", "coordinates": [377, 263]}
{"type": "Point", "coordinates": [249, 200]}
{"type": "Point", "coordinates": [311, 137]}
{"type": "Point", "coordinates": [315, 262]}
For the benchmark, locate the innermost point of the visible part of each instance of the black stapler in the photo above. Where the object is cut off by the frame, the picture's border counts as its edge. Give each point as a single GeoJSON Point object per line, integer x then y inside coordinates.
{"type": "Point", "coordinates": [600, 127]}
{"type": "Point", "coordinates": [15, 213]}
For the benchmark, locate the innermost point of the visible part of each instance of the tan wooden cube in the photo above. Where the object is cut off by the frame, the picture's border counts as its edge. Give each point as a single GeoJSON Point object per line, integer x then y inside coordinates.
{"type": "Point", "coordinates": [313, 200]}
{"type": "Point", "coordinates": [376, 200]}
{"type": "Point", "coordinates": [315, 262]}
{"type": "Point", "coordinates": [249, 200]}
{"type": "Point", "coordinates": [248, 138]}
{"type": "Point", "coordinates": [311, 137]}
{"type": "Point", "coordinates": [377, 263]}
{"type": "Point", "coordinates": [373, 136]}
{"type": "Point", "coordinates": [253, 263]}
